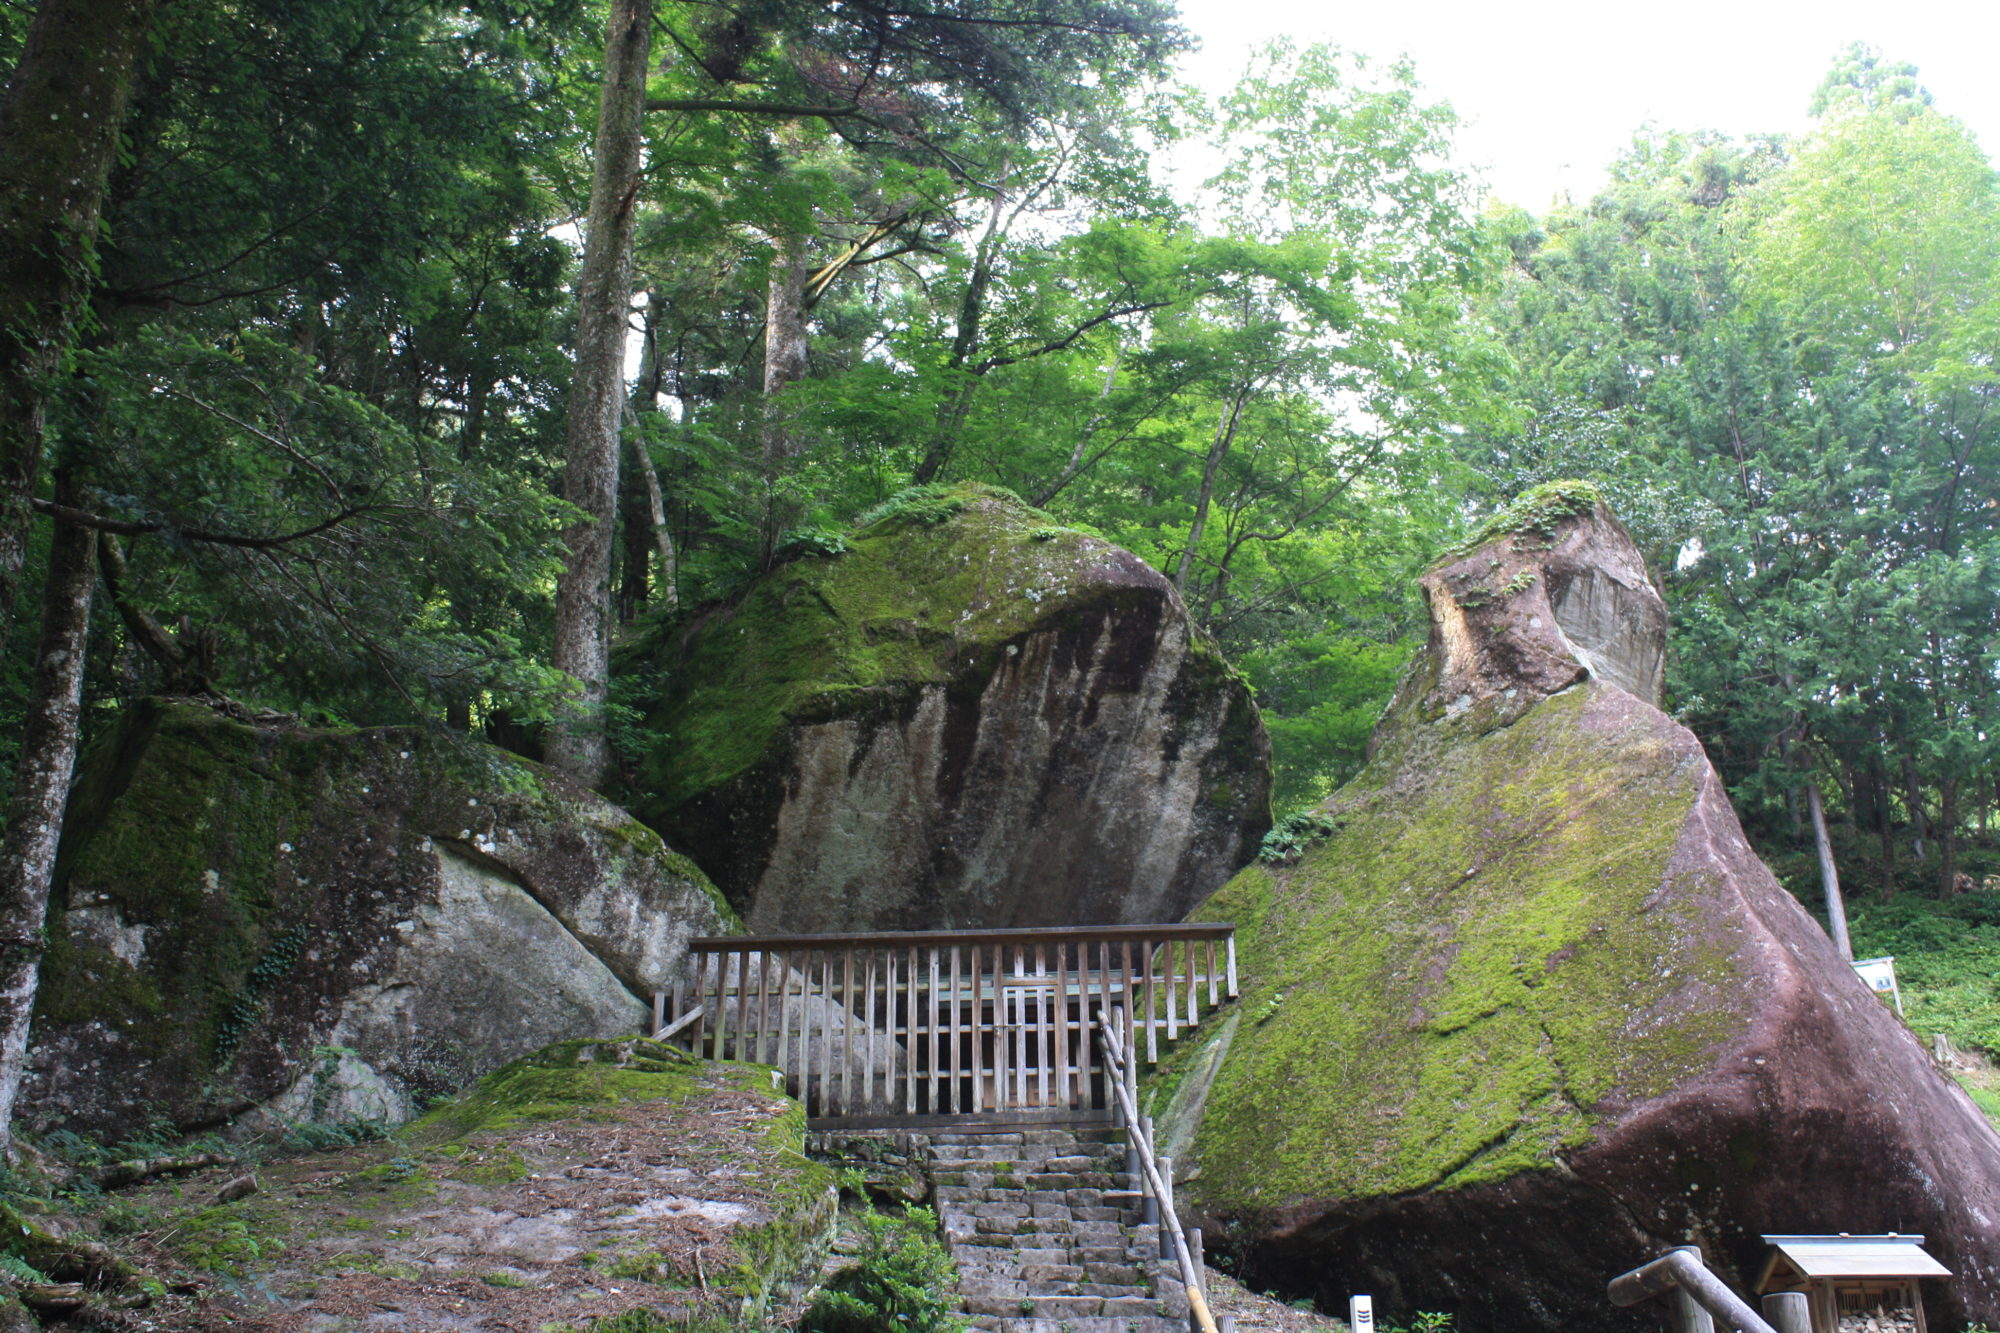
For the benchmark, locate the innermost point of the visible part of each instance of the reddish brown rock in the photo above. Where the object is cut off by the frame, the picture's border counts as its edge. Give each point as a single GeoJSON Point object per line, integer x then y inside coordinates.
{"type": "Point", "coordinates": [1535, 1011]}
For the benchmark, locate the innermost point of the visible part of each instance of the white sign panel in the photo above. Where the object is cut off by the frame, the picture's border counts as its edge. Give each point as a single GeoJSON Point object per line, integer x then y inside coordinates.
{"type": "Point", "coordinates": [1880, 976]}
{"type": "Point", "coordinates": [1361, 1314]}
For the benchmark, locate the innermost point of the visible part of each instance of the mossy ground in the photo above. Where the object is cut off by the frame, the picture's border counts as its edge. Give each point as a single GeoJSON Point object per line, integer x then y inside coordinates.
{"type": "Point", "coordinates": [576, 1185]}
{"type": "Point", "coordinates": [1453, 986]}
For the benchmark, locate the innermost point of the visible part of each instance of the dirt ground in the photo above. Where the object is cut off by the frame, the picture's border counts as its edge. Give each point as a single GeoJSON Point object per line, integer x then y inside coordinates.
{"type": "Point", "coordinates": [683, 1206]}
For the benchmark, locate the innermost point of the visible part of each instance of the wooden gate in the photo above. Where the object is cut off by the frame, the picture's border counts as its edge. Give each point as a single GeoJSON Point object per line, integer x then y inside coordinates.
{"type": "Point", "coordinates": [928, 1027]}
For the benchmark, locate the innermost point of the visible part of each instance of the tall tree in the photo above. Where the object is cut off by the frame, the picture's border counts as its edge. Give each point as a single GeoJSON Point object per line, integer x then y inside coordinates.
{"type": "Point", "coordinates": [59, 127]}
{"type": "Point", "coordinates": [578, 744]}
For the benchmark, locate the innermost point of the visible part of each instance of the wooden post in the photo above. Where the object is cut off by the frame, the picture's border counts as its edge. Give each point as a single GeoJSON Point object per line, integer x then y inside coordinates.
{"type": "Point", "coordinates": [1173, 993]}
{"type": "Point", "coordinates": [1150, 1208]}
{"type": "Point", "coordinates": [1688, 1316]}
{"type": "Point", "coordinates": [868, 1047]}
{"type": "Point", "coordinates": [1788, 1312]}
{"type": "Point", "coordinates": [1230, 945]}
{"type": "Point", "coordinates": [659, 1012]}
{"type": "Point", "coordinates": [910, 1029]}
{"type": "Point", "coordinates": [1212, 978]}
{"type": "Point", "coordinates": [951, 1096]}
{"type": "Point", "coordinates": [745, 1050]}
{"type": "Point", "coordinates": [847, 1033]}
{"type": "Point", "coordinates": [1152, 1000]}
{"type": "Point", "coordinates": [784, 960]}
{"type": "Point", "coordinates": [1200, 1269]}
{"type": "Point", "coordinates": [1166, 1204]}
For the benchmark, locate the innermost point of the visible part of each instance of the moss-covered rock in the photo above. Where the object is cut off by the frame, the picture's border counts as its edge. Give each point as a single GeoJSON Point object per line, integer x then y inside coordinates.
{"type": "Point", "coordinates": [329, 924]}
{"type": "Point", "coordinates": [968, 716]}
{"type": "Point", "coordinates": [1534, 1011]}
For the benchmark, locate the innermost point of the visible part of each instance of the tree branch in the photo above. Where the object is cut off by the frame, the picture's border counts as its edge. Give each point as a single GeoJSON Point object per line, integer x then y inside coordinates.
{"type": "Point", "coordinates": [83, 518]}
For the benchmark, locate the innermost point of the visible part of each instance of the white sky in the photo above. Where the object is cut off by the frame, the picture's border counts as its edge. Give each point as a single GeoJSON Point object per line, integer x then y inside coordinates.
{"type": "Point", "coordinates": [1550, 91]}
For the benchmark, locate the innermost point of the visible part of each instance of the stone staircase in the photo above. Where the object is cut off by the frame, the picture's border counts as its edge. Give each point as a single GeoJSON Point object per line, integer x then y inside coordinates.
{"type": "Point", "coordinates": [1044, 1226]}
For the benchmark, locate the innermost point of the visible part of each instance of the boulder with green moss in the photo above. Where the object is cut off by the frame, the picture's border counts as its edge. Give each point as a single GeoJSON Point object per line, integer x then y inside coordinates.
{"type": "Point", "coordinates": [322, 925]}
{"type": "Point", "coordinates": [961, 715]}
{"type": "Point", "coordinates": [1533, 1010]}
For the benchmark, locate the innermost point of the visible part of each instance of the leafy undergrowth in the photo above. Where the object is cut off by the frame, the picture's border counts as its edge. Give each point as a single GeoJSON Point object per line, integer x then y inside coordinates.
{"type": "Point", "coordinates": [1947, 961]}
{"type": "Point", "coordinates": [1947, 954]}
{"type": "Point", "coordinates": [586, 1187]}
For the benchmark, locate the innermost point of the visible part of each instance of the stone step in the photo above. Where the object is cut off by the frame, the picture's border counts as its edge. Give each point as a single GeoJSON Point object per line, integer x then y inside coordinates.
{"type": "Point", "coordinates": [1088, 1324]}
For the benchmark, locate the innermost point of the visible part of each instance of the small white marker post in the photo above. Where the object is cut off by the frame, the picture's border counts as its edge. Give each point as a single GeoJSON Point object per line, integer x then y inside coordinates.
{"type": "Point", "coordinates": [1361, 1314]}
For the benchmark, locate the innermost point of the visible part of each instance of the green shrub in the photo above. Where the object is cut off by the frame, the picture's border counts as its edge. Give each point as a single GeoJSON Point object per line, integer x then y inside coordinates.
{"type": "Point", "coordinates": [804, 543]}
{"type": "Point", "coordinates": [1291, 836]}
{"type": "Point", "coordinates": [904, 1282]}
{"type": "Point", "coordinates": [932, 503]}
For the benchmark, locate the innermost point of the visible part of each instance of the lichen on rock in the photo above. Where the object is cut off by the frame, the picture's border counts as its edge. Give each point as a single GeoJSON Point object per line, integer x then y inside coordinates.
{"type": "Point", "coordinates": [1533, 1010]}
{"type": "Point", "coordinates": [327, 924]}
{"type": "Point", "coordinates": [968, 716]}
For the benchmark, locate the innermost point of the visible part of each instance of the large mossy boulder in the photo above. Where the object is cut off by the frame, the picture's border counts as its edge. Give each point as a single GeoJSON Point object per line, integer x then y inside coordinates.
{"type": "Point", "coordinates": [966, 717]}
{"type": "Point", "coordinates": [321, 925]}
{"type": "Point", "coordinates": [1533, 1011]}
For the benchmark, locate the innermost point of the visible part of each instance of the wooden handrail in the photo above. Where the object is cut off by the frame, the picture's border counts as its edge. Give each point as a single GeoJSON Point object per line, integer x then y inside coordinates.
{"type": "Point", "coordinates": [1116, 1061]}
{"type": "Point", "coordinates": [1176, 930]}
{"type": "Point", "coordinates": [1684, 1269]}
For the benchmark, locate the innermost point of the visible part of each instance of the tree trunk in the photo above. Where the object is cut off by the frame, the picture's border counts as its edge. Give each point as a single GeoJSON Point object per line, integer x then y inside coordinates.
{"type": "Point", "coordinates": [1913, 796]}
{"type": "Point", "coordinates": [785, 346]}
{"type": "Point", "coordinates": [577, 742]}
{"type": "Point", "coordinates": [965, 340]}
{"type": "Point", "coordinates": [785, 341]}
{"type": "Point", "coordinates": [41, 790]}
{"type": "Point", "coordinates": [59, 128]}
{"type": "Point", "coordinates": [1947, 837]}
{"type": "Point", "coordinates": [1829, 875]}
{"type": "Point", "coordinates": [1218, 448]}
{"type": "Point", "coordinates": [1885, 827]}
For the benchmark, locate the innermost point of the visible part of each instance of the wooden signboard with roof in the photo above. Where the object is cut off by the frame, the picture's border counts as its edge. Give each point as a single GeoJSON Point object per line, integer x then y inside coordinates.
{"type": "Point", "coordinates": [1853, 1284]}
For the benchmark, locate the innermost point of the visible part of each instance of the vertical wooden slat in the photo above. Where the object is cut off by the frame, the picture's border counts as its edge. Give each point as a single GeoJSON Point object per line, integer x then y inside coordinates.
{"type": "Point", "coordinates": [783, 961]}
{"type": "Point", "coordinates": [659, 1012]}
{"type": "Point", "coordinates": [1065, 1030]}
{"type": "Point", "coordinates": [954, 1093]}
{"type": "Point", "coordinates": [847, 1031]}
{"type": "Point", "coordinates": [718, 1032]}
{"type": "Point", "coordinates": [1017, 1054]}
{"type": "Point", "coordinates": [701, 1000]}
{"type": "Point", "coordinates": [719, 1029]}
{"type": "Point", "coordinates": [1152, 1000]}
{"type": "Point", "coordinates": [935, 1072]}
{"type": "Point", "coordinates": [1212, 979]}
{"type": "Point", "coordinates": [1045, 1027]}
{"type": "Point", "coordinates": [1230, 945]}
{"type": "Point", "coordinates": [868, 1041]}
{"type": "Point", "coordinates": [910, 1012]}
{"type": "Point", "coordinates": [1086, 1043]}
{"type": "Point", "coordinates": [999, 1092]}
{"type": "Point", "coordinates": [1173, 995]}
{"type": "Point", "coordinates": [767, 1040]}
{"type": "Point", "coordinates": [821, 1027]}
{"type": "Point", "coordinates": [1194, 1004]}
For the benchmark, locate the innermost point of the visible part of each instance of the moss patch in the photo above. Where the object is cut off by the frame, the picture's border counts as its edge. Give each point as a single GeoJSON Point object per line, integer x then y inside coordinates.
{"type": "Point", "coordinates": [554, 1083]}
{"type": "Point", "coordinates": [1474, 966]}
{"type": "Point", "coordinates": [933, 586]}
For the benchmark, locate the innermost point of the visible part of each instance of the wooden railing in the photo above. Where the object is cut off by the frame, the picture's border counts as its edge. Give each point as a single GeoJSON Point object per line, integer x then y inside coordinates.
{"type": "Point", "coordinates": [1700, 1298]}
{"type": "Point", "coordinates": [1156, 1173]}
{"type": "Point", "coordinates": [914, 1027]}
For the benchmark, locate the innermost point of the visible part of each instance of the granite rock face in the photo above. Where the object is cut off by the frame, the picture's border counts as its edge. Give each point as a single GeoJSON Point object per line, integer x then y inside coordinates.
{"type": "Point", "coordinates": [321, 925]}
{"type": "Point", "coordinates": [969, 717]}
{"type": "Point", "coordinates": [1534, 1011]}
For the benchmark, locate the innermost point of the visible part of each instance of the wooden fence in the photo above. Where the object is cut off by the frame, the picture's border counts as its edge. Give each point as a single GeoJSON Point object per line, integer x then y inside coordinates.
{"type": "Point", "coordinates": [917, 1027]}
